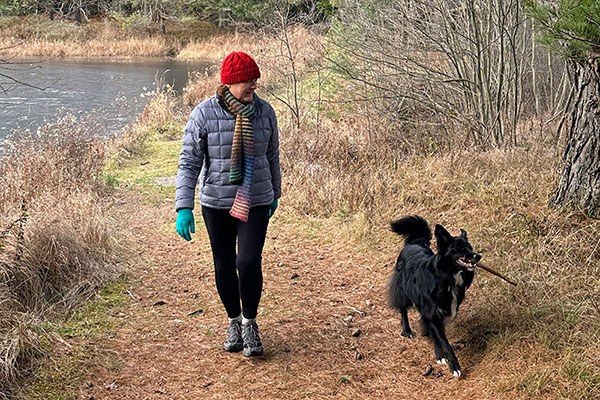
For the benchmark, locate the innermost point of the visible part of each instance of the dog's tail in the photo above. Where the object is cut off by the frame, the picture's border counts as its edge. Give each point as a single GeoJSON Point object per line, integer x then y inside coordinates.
{"type": "Point", "coordinates": [395, 295]}
{"type": "Point", "coordinates": [414, 229]}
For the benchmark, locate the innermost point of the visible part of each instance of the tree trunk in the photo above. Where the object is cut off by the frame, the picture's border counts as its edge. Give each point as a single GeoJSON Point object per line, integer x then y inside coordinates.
{"type": "Point", "coordinates": [579, 185]}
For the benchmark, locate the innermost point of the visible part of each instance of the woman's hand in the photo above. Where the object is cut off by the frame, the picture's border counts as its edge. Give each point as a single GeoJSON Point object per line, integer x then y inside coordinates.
{"type": "Point", "coordinates": [185, 224]}
{"type": "Point", "coordinates": [273, 207]}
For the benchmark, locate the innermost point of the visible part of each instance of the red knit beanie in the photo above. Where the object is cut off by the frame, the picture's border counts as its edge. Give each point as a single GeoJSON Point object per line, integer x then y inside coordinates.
{"type": "Point", "coordinates": [238, 67]}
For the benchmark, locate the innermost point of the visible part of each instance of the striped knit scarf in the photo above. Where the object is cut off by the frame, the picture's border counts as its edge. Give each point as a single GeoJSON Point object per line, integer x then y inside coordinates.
{"type": "Point", "coordinates": [242, 153]}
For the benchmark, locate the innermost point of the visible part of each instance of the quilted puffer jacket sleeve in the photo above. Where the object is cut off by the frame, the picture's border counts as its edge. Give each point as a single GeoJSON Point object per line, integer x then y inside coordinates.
{"type": "Point", "coordinates": [191, 160]}
{"type": "Point", "coordinates": [273, 155]}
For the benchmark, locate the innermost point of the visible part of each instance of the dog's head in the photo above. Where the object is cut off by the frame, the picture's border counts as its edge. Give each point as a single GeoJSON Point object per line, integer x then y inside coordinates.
{"type": "Point", "coordinates": [457, 249]}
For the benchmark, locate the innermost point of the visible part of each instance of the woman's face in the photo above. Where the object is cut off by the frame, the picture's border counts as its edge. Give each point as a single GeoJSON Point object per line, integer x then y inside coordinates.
{"type": "Point", "coordinates": [243, 91]}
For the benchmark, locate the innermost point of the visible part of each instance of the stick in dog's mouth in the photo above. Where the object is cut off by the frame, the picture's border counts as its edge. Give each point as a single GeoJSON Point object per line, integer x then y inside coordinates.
{"type": "Point", "coordinates": [496, 273]}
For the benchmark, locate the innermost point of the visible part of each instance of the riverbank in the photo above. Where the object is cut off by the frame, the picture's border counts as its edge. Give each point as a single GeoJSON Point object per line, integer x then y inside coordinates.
{"type": "Point", "coordinates": [37, 36]}
{"type": "Point", "coordinates": [61, 238]}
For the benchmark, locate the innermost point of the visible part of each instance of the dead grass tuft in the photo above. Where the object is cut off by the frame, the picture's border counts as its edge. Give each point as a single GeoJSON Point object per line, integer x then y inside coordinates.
{"type": "Point", "coordinates": [57, 245]}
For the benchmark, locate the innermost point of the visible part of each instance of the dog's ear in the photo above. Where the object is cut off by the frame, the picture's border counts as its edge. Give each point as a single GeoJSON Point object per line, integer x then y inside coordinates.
{"type": "Point", "coordinates": [443, 236]}
{"type": "Point", "coordinates": [463, 234]}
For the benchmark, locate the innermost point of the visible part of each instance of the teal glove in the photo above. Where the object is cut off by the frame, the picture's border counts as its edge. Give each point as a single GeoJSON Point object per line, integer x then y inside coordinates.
{"type": "Point", "coordinates": [273, 207]}
{"type": "Point", "coordinates": [185, 223]}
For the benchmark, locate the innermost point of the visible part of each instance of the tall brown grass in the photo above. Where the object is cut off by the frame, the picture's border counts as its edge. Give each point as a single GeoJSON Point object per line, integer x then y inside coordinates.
{"type": "Point", "coordinates": [217, 46]}
{"type": "Point", "coordinates": [37, 36]}
{"type": "Point", "coordinates": [57, 242]}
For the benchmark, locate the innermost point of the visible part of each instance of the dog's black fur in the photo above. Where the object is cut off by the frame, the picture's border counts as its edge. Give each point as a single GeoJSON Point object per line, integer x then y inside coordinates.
{"type": "Point", "coordinates": [433, 283]}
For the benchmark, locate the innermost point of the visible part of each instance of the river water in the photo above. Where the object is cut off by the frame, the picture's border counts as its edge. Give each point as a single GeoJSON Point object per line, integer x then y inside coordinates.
{"type": "Point", "coordinates": [113, 93]}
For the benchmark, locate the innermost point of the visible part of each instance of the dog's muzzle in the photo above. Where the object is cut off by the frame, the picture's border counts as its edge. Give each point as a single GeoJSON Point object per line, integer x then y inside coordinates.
{"type": "Point", "coordinates": [469, 263]}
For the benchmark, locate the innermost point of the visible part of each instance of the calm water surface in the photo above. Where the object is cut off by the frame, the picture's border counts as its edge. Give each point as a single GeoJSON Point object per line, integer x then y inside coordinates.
{"type": "Point", "coordinates": [113, 93]}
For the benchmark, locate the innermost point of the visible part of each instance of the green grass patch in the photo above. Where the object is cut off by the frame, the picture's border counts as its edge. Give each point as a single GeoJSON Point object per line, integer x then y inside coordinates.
{"type": "Point", "coordinates": [92, 317]}
{"type": "Point", "coordinates": [150, 171]}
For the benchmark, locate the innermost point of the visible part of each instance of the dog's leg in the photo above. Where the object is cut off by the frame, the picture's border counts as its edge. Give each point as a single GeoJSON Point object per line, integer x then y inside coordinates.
{"type": "Point", "coordinates": [443, 350]}
{"type": "Point", "coordinates": [440, 357]}
{"type": "Point", "coordinates": [406, 331]}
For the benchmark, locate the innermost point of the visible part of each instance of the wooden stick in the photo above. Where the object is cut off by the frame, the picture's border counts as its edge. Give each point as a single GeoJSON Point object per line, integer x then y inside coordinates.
{"type": "Point", "coordinates": [498, 274]}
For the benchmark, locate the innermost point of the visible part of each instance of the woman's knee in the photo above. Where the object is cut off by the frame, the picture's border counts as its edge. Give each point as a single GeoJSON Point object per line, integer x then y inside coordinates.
{"type": "Point", "coordinates": [249, 265]}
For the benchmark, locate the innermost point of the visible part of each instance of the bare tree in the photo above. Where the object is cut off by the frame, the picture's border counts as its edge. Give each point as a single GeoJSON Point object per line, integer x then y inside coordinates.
{"type": "Point", "coordinates": [291, 63]}
{"type": "Point", "coordinates": [470, 62]}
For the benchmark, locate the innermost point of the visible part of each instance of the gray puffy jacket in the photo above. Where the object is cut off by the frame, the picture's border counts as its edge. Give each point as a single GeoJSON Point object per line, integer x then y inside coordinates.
{"type": "Point", "coordinates": [207, 148]}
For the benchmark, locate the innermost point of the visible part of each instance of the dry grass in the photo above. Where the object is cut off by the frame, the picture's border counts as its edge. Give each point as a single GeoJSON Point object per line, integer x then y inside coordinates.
{"type": "Point", "coordinates": [59, 241]}
{"type": "Point", "coordinates": [218, 46]}
{"type": "Point", "coordinates": [107, 46]}
{"type": "Point", "coordinates": [261, 45]}
{"type": "Point", "coordinates": [269, 51]}
{"type": "Point", "coordinates": [57, 244]}
{"type": "Point", "coordinates": [39, 37]}
{"type": "Point", "coordinates": [202, 84]}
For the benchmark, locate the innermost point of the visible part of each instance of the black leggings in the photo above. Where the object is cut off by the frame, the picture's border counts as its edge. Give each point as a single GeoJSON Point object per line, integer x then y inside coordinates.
{"type": "Point", "coordinates": [246, 284]}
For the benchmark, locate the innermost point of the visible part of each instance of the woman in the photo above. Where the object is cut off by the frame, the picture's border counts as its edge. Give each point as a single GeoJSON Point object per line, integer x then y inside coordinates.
{"type": "Point", "coordinates": [233, 138]}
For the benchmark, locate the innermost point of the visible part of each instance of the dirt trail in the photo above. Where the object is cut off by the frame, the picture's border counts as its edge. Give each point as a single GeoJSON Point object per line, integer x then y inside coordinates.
{"type": "Point", "coordinates": [313, 282]}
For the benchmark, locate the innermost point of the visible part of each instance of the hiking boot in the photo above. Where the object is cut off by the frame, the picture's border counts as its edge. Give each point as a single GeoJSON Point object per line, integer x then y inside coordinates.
{"type": "Point", "coordinates": [234, 340]}
{"type": "Point", "coordinates": [252, 344]}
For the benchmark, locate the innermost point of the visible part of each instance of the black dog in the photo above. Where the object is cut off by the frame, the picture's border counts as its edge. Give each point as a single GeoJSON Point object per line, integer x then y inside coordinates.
{"type": "Point", "coordinates": [434, 283]}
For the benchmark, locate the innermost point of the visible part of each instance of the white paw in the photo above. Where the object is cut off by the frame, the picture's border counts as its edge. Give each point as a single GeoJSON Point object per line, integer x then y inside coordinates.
{"type": "Point", "coordinates": [442, 361]}
{"type": "Point", "coordinates": [457, 374]}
